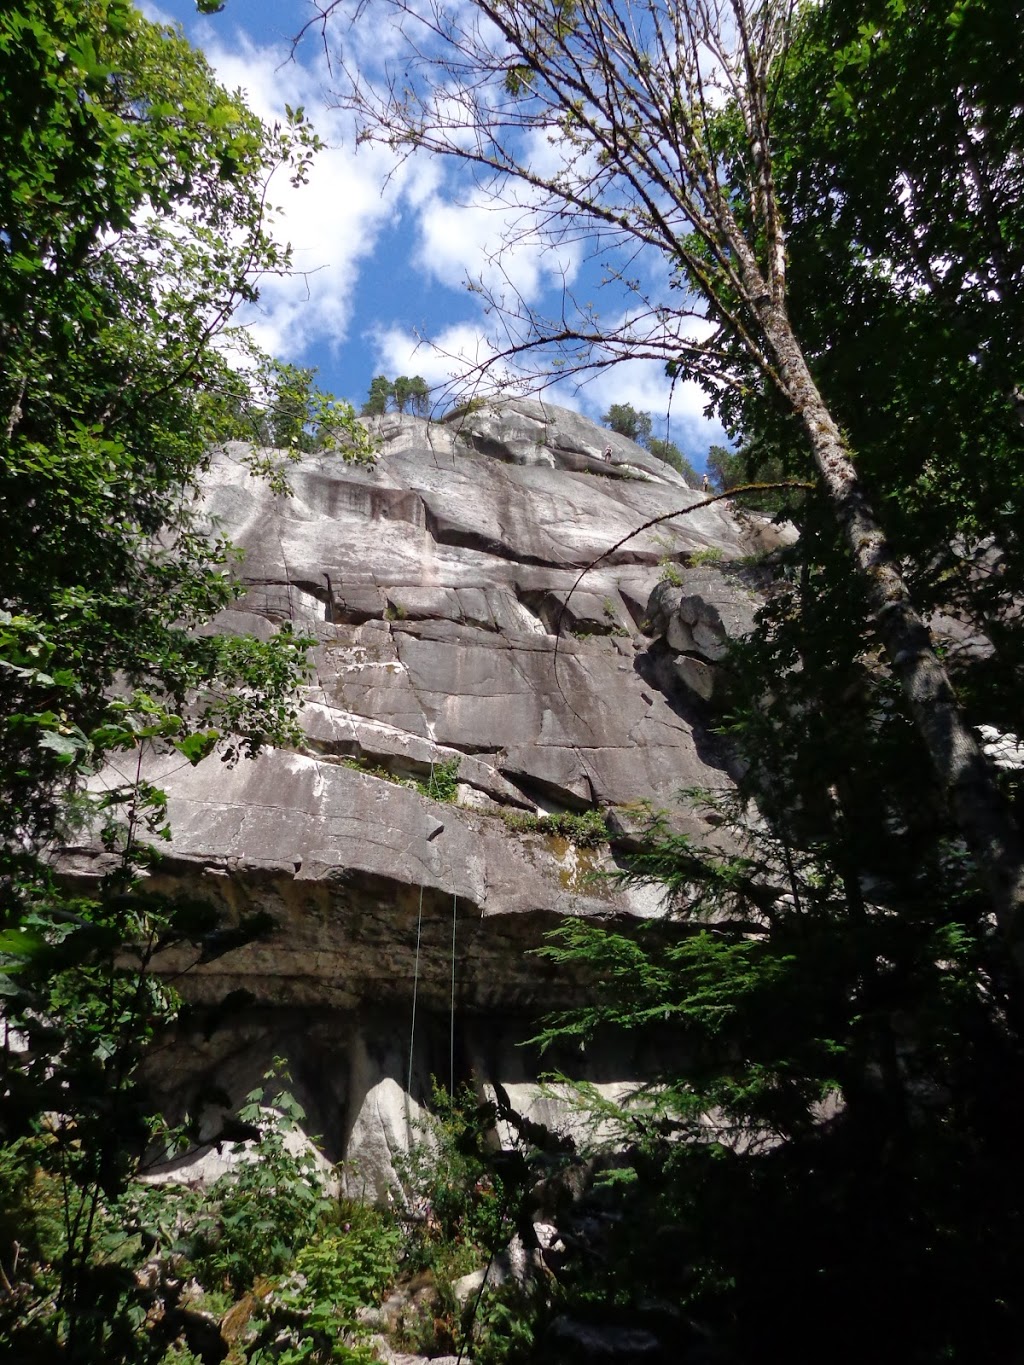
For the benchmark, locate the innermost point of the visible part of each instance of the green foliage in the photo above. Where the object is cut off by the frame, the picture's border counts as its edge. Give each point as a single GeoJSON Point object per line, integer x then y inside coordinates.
{"type": "Point", "coordinates": [505, 1329]}
{"type": "Point", "coordinates": [315, 1309]}
{"type": "Point", "coordinates": [725, 468]}
{"type": "Point", "coordinates": [443, 783]}
{"type": "Point", "coordinates": [624, 419]}
{"type": "Point", "coordinates": [466, 1198]}
{"type": "Point", "coordinates": [670, 572]}
{"type": "Point", "coordinates": [412, 395]}
{"type": "Point", "coordinates": [352, 1267]}
{"type": "Point", "coordinates": [276, 404]}
{"type": "Point", "coordinates": [672, 455]}
{"type": "Point", "coordinates": [85, 1004]}
{"type": "Point", "coordinates": [268, 1226]}
{"type": "Point", "coordinates": [363, 765]}
{"type": "Point", "coordinates": [134, 216]}
{"type": "Point", "coordinates": [898, 128]}
{"type": "Point", "coordinates": [403, 394]}
{"type": "Point", "coordinates": [447, 1173]}
{"type": "Point", "coordinates": [270, 1217]}
{"type": "Point", "coordinates": [269, 1206]}
{"type": "Point", "coordinates": [730, 468]}
{"type": "Point", "coordinates": [133, 199]}
{"type": "Point", "coordinates": [31, 1210]}
{"type": "Point", "coordinates": [712, 555]}
{"type": "Point", "coordinates": [828, 1055]}
{"type": "Point", "coordinates": [381, 393]}
{"type": "Point", "coordinates": [178, 1354]}
{"type": "Point", "coordinates": [586, 829]}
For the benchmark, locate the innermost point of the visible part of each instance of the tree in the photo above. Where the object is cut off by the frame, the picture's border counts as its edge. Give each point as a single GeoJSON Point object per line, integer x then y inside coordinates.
{"type": "Point", "coordinates": [125, 170]}
{"type": "Point", "coordinates": [382, 392]}
{"type": "Point", "coordinates": [838, 1029]}
{"type": "Point", "coordinates": [826, 1065]}
{"type": "Point", "coordinates": [663, 118]}
{"type": "Point", "coordinates": [280, 405]}
{"type": "Point", "coordinates": [637, 426]}
{"type": "Point", "coordinates": [624, 419]}
{"type": "Point", "coordinates": [134, 218]}
{"type": "Point", "coordinates": [907, 290]}
{"type": "Point", "coordinates": [412, 395]}
{"type": "Point", "coordinates": [400, 395]}
{"type": "Point", "coordinates": [672, 455]}
{"type": "Point", "coordinates": [725, 468]}
{"type": "Point", "coordinates": [752, 464]}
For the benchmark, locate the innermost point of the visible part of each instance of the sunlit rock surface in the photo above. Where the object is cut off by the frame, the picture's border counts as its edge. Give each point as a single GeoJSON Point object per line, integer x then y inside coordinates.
{"type": "Point", "coordinates": [481, 595]}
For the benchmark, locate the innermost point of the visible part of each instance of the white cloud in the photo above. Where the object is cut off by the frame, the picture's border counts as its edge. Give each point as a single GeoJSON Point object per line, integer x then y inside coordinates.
{"type": "Point", "coordinates": [475, 236]}
{"type": "Point", "coordinates": [678, 410]}
{"type": "Point", "coordinates": [450, 228]}
{"type": "Point", "coordinates": [444, 361]}
{"type": "Point", "coordinates": [332, 222]}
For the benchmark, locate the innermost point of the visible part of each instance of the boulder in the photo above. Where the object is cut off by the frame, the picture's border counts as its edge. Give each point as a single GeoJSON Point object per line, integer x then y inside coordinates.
{"type": "Point", "coordinates": [698, 613]}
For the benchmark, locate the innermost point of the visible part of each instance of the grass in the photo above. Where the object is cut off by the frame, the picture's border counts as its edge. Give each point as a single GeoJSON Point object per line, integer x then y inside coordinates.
{"type": "Point", "coordinates": [441, 785]}
{"type": "Point", "coordinates": [586, 830]}
{"type": "Point", "coordinates": [712, 555]}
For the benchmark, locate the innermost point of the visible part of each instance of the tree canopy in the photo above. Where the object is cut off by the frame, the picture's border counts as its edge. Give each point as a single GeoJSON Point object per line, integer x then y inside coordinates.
{"type": "Point", "coordinates": [403, 394]}
{"type": "Point", "coordinates": [135, 217]}
{"type": "Point", "coordinates": [624, 419]}
{"type": "Point", "coordinates": [134, 221]}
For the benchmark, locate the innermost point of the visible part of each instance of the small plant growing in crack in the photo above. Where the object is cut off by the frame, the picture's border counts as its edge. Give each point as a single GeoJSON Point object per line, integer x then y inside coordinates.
{"type": "Point", "coordinates": [586, 829]}
{"type": "Point", "coordinates": [443, 782]}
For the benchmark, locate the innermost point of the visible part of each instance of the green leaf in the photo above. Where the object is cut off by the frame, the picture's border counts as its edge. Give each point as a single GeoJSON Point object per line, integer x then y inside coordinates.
{"type": "Point", "coordinates": [197, 746]}
{"type": "Point", "coordinates": [20, 943]}
{"type": "Point", "coordinates": [67, 746]}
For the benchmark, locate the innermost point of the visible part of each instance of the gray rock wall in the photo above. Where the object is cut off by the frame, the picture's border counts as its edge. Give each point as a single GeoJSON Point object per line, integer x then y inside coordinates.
{"type": "Point", "coordinates": [443, 588]}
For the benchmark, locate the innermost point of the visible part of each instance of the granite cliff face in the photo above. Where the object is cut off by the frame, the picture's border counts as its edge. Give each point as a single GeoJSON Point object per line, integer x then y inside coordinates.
{"type": "Point", "coordinates": [437, 585]}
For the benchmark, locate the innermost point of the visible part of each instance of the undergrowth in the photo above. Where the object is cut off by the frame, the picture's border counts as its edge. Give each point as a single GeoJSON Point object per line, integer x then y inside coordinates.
{"type": "Point", "coordinates": [267, 1266]}
{"type": "Point", "coordinates": [586, 829]}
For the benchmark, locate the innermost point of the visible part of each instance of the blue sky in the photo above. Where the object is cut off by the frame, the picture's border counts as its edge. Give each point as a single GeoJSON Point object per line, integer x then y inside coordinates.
{"type": "Point", "coordinates": [389, 249]}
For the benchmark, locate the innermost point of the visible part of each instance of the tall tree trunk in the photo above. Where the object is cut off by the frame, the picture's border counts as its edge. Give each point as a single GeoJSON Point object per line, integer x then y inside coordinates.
{"type": "Point", "coordinates": [979, 807]}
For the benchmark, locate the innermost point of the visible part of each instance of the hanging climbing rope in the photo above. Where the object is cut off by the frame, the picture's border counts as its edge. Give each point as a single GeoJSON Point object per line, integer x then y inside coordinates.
{"type": "Point", "coordinates": [416, 974]}
{"type": "Point", "coordinates": [415, 990]}
{"type": "Point", "coordinates": [451, 1024]}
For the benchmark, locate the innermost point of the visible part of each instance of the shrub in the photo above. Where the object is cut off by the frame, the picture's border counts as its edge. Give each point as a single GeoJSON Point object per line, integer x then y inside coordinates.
{"type": "Point", "coordinates": [314, 1315]}
{"type": "Point", "coordinates": [712, 555]}
{"type": "Point", "coordinates": [262, 1213]}
{"type": "Point", "coordinates": [587, 829]}
{"type": "Point", "coordinates": [443, 783]}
